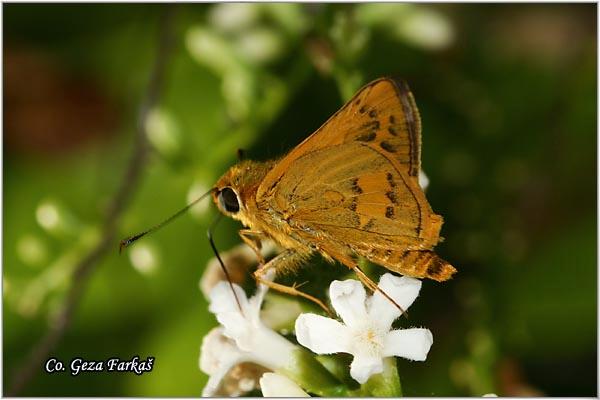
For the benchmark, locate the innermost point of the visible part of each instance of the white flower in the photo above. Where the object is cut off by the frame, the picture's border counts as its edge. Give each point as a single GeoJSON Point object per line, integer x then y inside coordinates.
{"type": "Point", "coordinates": [218, 356]}
{"type": "Point", "coordinates": [241, 338]}
{"type": "Point", "coordinates": [366, 332]}
{"type": "Point", "coordinates": [276, 385]}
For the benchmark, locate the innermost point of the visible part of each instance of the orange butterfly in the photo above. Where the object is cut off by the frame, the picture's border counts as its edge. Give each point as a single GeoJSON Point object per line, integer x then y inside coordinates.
{"type": "Point", "coordinates": [351, 188]}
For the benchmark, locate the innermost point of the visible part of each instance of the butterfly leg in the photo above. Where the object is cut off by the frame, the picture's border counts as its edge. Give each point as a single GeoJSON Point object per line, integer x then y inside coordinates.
{"type": "Point", "coordinates": [288, 259]}
{"type": "Point", "coordinates": [252, 239]}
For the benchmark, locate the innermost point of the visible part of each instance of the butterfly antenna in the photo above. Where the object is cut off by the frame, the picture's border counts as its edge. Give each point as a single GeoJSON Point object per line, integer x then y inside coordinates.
{"type": "Point", "coordinates": [131, 239]}
{"type": "Point", "coordinates": [214, 248]}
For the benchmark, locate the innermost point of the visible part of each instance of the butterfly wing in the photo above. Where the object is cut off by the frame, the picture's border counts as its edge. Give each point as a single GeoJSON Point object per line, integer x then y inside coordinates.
{"type": "Point", "coordinates": [383, 113]}
{"type": "Point", "coordinates": [354, 182]}
{"type": "Point", "coordinates": [353, 194]}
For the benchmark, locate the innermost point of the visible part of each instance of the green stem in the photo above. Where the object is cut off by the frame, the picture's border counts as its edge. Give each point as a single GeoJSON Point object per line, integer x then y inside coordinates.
{"type": "Point", "coordinates": [385, 384]}
{"type": "Point", "coordinates": [313, 377]}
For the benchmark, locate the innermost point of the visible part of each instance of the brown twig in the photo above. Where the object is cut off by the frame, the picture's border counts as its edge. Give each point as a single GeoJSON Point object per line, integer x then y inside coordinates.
{"type": "Point", "coordinates": [90, 261]}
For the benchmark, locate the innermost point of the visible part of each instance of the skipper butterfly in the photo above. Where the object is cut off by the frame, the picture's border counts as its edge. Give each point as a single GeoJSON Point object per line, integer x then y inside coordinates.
{"type": "Point", "coordinates": [349, 189]}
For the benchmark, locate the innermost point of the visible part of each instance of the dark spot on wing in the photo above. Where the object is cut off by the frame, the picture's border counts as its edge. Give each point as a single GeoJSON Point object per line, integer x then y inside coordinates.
{"type": "Point", "coordinates": [392, 119]}
{"type": "Point", "coordinates": [435, 267]}
{"type": "Point", "coordinates": [372, 113]}
{"type": "Point", "coordinates": [362, 110]}
{"type": "Point", "coordinates": [367, 137]}
{"type": "Point", "coordinates": [392, 131]}
{"type": "Point", "coordinates": [392, 196]}
{"type": "Point", "coordinates": [387, 146]}
{"type": "Point", "coordinates": [389, 212]}
{"type": "Point", "coordinates": [353, 205]}
{"type": "Point", "coordinates": [369, 224]}
{"type": "Point", "coordinates": [369, 131]}
{"type": "Point", "coordinates": [355, 188]}
{"type": "Point", "coordinates": [390, 179]}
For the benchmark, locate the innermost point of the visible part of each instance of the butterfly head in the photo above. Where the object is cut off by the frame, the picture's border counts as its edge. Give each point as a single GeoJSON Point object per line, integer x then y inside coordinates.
{"type": "Point", "coordinates": [235, 191]}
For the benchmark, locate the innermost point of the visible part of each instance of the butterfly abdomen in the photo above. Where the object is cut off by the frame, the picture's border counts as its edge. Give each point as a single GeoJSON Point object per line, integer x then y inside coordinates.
{"type": "Point", "coordinates": [418, 264]}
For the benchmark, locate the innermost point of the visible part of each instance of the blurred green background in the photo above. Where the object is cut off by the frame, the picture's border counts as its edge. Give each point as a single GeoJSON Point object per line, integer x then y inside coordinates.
{"type": "Point", "coordinates": [507, 95]}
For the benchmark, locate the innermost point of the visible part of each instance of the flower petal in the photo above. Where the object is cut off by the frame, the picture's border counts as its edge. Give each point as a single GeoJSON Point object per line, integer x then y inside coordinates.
{"type": "Point", "coordinates": [213, 384]}
{"type": "Point", "coordinates": [404, 290]}
{"type": "Point", "coordinates": [238, 325]}
{"type": "Point", "coordinates": [215, 350]}
{"type": "Point", "coordinates": [251, 337]}
{"type": "Point", "coordinates": [268, 348]}
{"type": "Point", "coordinates": [255, 304]}
{"type": "Point", "coordinates": [276, 385]}
{"type": "Point", "coordinates": [322, 335]}
{"type": "Point", "coordinates": [218, 355]}
{"type": "Point", "coordinates": [348, 299]}
{"type": "Point", "coordinates": [258, 343]}
{"type": "Point", "coordinates": [362, 367]}
{"type": "Point", "coordinates": [222, 298]}
{"type": "Point", "coordinates": [413, 344]}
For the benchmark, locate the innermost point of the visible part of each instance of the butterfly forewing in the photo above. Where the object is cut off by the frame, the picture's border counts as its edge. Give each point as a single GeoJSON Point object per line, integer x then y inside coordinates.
{"type": "Point", "coordinates": [385, 117]}
{"type": "Point", "coordinates": [382, 114]}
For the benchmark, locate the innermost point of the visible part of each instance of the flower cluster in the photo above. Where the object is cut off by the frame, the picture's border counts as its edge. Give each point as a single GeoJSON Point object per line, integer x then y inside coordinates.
{"type": "Point", "coordinates": [243, 345]}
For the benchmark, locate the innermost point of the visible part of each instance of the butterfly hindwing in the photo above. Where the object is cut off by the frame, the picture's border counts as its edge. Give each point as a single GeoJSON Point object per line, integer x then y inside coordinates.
{"type": "Point", "coordinates": [354, 194]}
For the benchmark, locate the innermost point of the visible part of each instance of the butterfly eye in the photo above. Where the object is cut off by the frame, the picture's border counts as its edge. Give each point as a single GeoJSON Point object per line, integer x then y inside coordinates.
{"type": "Point", "coordinates": [229, 200]}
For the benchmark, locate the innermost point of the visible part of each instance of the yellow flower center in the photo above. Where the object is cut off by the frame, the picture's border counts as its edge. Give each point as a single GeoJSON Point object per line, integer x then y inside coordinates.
{"type": "Point", "coordinates": [369, 340]}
